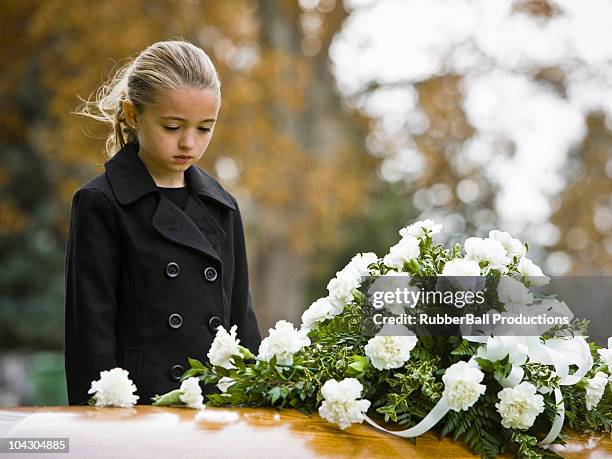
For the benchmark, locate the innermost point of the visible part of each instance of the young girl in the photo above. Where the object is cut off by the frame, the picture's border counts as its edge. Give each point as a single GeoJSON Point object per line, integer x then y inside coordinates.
{"type": "Point", "coordinates": [156, 258]}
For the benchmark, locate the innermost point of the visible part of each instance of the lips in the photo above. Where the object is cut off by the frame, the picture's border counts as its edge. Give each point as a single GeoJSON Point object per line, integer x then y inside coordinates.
{"type": "Point", "coordinates": [183, 157]}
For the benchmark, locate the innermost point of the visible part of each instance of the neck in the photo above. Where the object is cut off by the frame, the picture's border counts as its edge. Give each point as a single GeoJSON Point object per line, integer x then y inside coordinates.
{"type": "Point", "coordinates": [161, 177]}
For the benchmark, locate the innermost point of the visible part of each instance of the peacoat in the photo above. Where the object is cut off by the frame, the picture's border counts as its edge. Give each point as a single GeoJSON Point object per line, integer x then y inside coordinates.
{"type": "Point", "coordinates": [147, 284]}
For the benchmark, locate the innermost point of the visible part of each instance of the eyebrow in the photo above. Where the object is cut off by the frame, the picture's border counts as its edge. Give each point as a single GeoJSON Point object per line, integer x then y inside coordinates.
{"type": "Point", "coordinates": [178, 118]}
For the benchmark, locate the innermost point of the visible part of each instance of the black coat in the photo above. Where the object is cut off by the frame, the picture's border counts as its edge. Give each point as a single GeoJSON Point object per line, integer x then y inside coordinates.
{"type": "Point", "coordinates": [148, 283]}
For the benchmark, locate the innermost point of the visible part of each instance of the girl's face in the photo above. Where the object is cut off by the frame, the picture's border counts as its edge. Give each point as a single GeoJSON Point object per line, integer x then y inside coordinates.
{"type": "Point", "coordinates": [174, 132]}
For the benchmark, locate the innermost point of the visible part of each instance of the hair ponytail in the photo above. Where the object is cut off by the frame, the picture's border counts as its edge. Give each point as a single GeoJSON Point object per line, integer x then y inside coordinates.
{"type": "Point", "coordinates": [162, 66]}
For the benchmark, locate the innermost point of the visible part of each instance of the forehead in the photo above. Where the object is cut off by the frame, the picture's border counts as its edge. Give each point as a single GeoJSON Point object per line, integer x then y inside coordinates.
{"type": "Point", "coordinates": [191, 104]}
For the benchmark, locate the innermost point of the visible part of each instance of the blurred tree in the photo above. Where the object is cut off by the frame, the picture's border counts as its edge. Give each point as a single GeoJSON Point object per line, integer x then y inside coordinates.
{"type": "Point", "coordinates": [585, 207]}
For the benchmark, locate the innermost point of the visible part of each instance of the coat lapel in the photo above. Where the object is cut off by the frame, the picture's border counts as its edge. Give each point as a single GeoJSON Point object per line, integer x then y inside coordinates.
{"type": "Point", "coordinates": [195, 227]}
{"type": "Point", "coordinates": [180, 228]}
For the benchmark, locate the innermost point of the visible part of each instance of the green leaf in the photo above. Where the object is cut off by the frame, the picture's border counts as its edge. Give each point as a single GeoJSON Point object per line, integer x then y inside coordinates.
{"type": "Point", "coordinates": [274, 394]}
{"type": "Point", "coordinates": [168, 399]}
{"type": "Point", "coordinates": [194, 363]}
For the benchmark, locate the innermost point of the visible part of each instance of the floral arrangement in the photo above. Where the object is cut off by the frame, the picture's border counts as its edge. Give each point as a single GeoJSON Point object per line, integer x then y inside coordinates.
{"type": "Point", "coordinates": [498, 394]}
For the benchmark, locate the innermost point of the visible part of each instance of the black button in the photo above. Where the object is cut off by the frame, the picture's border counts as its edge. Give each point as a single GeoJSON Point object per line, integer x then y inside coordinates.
{"type": "Point", "coordinates": [176, 372]}
{"type": "Point", "coordinates": [210, 274]}
{"type": "Point", "coordinates": [175, 320]}
{"type": "Point", "coordinates": [213, 323]}
{"type": "Point", "coordinates": [172, 269]}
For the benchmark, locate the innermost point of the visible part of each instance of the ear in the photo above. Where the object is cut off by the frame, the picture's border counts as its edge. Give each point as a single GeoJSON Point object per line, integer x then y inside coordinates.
{"type": "Point", "coordinates": [129, 111]}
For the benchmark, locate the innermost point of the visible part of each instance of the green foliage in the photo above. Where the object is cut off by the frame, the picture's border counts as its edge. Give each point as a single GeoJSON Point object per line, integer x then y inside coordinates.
{"type": "Point", "coordinates": [528, 447]}
{"type": "Point", "coordinates": [541, 375]}
{"type": "Point", "coordinates": [581, 419]}
{"type": "Point", "coordinates": [412, 391]}
{"type": "Point", "coordinates": [479, 427]}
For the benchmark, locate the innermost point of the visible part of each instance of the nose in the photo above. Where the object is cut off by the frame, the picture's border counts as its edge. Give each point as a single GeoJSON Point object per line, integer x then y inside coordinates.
{"type": "Point", "coordinates": [187, 140]}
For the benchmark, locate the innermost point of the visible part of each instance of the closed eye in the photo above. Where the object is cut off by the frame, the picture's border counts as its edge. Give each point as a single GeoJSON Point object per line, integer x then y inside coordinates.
{"type": "Point", "coordinates": [171, 128]}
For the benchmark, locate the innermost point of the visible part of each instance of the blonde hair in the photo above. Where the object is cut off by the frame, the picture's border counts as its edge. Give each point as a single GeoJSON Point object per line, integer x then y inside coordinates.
{"type": "Point", "coordinates": [164, 65]}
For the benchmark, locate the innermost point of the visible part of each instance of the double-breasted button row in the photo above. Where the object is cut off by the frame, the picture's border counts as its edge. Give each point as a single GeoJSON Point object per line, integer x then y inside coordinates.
{"type": "Point", "coordinates": [175, 321]}
{"type": "Point", "coordinates": [173, 270]}
{"type": "Point", "coordinates": [213, 323]}
{"type": "Point", "coordinates": [210, 274]}
{"type": "Point", "coordinates": [176, 372]}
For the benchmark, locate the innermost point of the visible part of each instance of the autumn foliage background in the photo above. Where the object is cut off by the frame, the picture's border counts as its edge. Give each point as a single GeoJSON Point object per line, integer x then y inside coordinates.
{"type": "Point", "coordinates": [305, 160]}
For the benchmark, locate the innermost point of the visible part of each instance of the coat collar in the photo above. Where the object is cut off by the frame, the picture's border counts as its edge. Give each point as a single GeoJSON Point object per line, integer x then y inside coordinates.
{"type": "Point", "coordinates": [130, 179]}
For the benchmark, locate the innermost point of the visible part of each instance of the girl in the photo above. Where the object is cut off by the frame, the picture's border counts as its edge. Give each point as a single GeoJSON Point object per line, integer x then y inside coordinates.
{"type": "Point", "coordinates": [156, 258]}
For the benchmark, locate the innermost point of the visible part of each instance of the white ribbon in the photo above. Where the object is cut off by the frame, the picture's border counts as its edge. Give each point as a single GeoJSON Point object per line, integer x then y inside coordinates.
{"type": "Point", "coordinates": [555, 429]}
{"type": "Point", "coordinates": [432, 418]}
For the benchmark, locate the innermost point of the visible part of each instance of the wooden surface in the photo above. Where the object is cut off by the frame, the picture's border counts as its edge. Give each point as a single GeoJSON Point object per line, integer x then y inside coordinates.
{"type": "Point", "coordinates": [152, 432]}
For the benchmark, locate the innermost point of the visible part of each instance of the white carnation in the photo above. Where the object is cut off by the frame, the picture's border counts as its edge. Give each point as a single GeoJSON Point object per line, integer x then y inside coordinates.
{"type": "Point", "coordinates": [390, 282]}
{"type": "Point", "coordinates": [461, 267]}
{"type": "Point", "coordinates": [317, 312]}
{"type": "Point", "coordinates": [284, 341]}
{"type": "Point", "coordinates": [416, 229]}
{"type": "Point", "coordinates": [595, 389]}
{"type": "Point", "coordinates": [114, 388]}
{"type": "Point", "coordinates": [532, 271]}
{"type": "Point", "coordinates": [461, 385]}
{"type": "Point", "coordinates": [487, 250]}
{"type": "Point", "coordinates": [224, 346]}
{"type": "Point", "coordinates": [519, 406]}
{"type": "Point", "coordinates": [510, 290]}
{"type": "Point", "coordinates": [341, 289]}
{"type": "Point", "coordinates": [361, 261]}
{"type": "Point", "coordinates": [341, 404]}
{"type": "Point", "coordinates": [606, 355]}
{"type": "Point", "coordinates": [462, 274]}
{"type": "Point", "coordinates": [406, 249]}
{"type": "Point", "coordinates": [387, 352]}
{"type": "Point", "coordinates": [192, 393]}
{"type": "Point", "coordinates": [514, 247]}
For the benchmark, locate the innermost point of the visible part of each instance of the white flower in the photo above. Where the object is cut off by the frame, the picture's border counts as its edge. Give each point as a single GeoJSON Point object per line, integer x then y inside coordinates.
{"type": "Point", "coordinates": [532, 271]}
{"type": "Point", "coordinates": [519, 406]}
{"type": "Point", "coordinates": [341, 289]}
{"type": "Point", "coordinates": [318, 311]}
{"type": "Point", "coordinates": [606, 355]}
{"type": "Point", "coordinates": [461, 267]}
{"type": "Point", "coordinates": [416, 229]}
{"type": "Point", "coordinates": [487, 250]}
{"type": "Point", "coordinates": [461, 385]}
{"type": "Point", "coordinates": [341, 403]}
{"type": "Point", "coordinates": [462, 274]}
{"type": "Point", "coordinates": [192, 393]}
{"type": "Point", "coordinates": [283, 342]}
{"type": "Point", "coordinates": [390, 282]}
{"type": "Point", "coordinates": [406, 249]}
{"type": "Point", "coordinates": [114, 388]}
{"type": "Point", "coordinates": [225, 383]}
{"type": "Point", "coordinates": [361, 261]}
{"type": "Point", "coordinates": [224, 346]}
{"type": "Point", "coordinates": [595, 389]}
{"type": "Point", "coordinates": [387, 352]}
{"type": "Point", "coordinates": [510, 290]}
{"type": "Point", "coordinates": [514, 247]}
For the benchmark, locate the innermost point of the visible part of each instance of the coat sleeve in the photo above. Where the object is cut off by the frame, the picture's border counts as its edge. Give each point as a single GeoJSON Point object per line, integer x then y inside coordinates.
{"type": "Point", "coordinates": [242, 310]}
{"type": "Point", "coordinates": [91, 275]}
